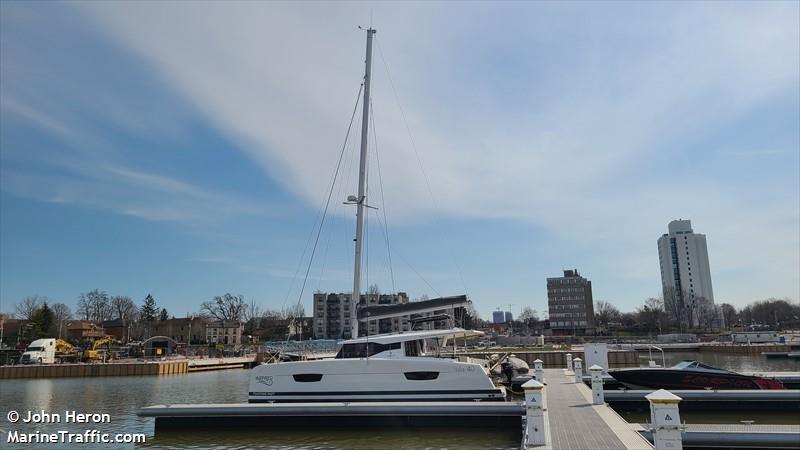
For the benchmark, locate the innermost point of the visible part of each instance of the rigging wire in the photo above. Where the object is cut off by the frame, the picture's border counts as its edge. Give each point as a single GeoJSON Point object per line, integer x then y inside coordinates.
{"type": "Point", "coordinates": [416, 153]}
{"type": "Point", "coordinates": [348, 170]}
{"type": "Point", "coordinates": [330, 194]}
{"type": "Point", "coordinates": [412, 268]}
{"type": "Point", "coordinates": [383, 202]}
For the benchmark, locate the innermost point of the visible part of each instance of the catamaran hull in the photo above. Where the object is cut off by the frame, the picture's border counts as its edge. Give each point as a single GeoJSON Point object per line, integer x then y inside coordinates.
{"type": "Point", "coordinates": [366, 380]}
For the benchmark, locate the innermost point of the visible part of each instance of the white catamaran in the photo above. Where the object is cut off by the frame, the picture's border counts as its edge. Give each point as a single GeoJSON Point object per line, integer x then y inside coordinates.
{"type": "Point", "coordinates": [386, 367]}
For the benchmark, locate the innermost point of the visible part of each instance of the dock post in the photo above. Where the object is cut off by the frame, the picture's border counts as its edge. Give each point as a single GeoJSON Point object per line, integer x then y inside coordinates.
{"type": "Point", "coordinates": [598, 397]}
{"type": "Point", "coordinates": [578, 372]}
{"type": "Point", "coordinates": [534, 413]}
{"type": "Point", "coordinates": [569, 361]}
{"type": "Point", "coordinates": [665, 419]}
{"type": "Point", "coordinates": [538, 371]}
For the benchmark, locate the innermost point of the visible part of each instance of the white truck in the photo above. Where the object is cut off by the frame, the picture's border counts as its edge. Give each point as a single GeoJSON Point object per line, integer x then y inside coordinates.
{"type": "Point", "coordinates": [40, 351]}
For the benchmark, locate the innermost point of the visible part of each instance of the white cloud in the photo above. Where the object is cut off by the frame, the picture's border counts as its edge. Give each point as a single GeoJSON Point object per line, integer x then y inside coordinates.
{"type": "Point", "coordinates": [508, 127]}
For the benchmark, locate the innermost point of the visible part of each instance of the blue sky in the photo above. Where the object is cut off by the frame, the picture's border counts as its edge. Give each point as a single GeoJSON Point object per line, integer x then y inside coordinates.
{"type": "Point", "coordinates": [184, 149]}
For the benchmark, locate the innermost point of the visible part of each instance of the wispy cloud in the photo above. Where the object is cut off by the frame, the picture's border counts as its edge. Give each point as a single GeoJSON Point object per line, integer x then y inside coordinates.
{"type": "Point", "coordinates": [517, 114]}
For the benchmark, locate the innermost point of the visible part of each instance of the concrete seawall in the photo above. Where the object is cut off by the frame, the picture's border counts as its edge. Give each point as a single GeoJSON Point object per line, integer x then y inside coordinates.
{"type": "Point", "coordinates": [95, 370]}
{"type": "Point", "coordinates": [557, 359]}
{"type": "Point", "coordinates": [745, 349]}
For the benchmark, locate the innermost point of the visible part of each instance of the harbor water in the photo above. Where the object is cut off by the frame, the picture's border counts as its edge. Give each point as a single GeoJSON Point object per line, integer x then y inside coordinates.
{"type": "Point", "coordinates": [121, 397]}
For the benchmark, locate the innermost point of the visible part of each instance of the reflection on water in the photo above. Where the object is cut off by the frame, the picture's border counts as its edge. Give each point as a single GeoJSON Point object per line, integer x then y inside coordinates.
{"type": "Point", "coordinates": [341, 439]}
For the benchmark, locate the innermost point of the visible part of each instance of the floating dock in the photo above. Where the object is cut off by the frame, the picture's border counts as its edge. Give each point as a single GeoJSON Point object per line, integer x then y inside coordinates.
{"type": "Point", "coordinates": [571, 419]}
{"type": "Point", "coordinates": [506, 415]}
{"type": "Point", "coordinates": [737, 436]}
{"type": "Point", "coordinates": [693, 400]}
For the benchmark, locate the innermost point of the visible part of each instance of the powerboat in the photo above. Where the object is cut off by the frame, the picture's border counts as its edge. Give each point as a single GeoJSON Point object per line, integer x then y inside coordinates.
{"type": "Point", "coordinates": [689, 374]}
{"type": "Point", "coordinates": [407, 366]}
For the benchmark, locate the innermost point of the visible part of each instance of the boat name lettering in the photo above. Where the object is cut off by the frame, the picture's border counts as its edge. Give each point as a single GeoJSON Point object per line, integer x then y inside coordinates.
{"type": "Point", "coordinates": [266, 380]}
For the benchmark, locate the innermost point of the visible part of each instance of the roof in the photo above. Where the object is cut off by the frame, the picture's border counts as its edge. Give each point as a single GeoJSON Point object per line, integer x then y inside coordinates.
{"type": "Point", "coordinates": [403, 309]}
{"type": "Point", "coordinates": [113, 323]}
{"type": "Point", "coordinates": [82, 325]}
{"type": "Point", "coordinates": [389, 338]}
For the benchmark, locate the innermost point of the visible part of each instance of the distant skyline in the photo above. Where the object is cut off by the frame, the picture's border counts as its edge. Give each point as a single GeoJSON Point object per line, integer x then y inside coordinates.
{"type": "Point", "coordinates": [184, 149]}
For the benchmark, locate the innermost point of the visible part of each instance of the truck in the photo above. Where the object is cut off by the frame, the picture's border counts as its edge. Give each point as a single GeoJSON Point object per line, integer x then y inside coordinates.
{"type": "Point", "coordinates": [40, 351]}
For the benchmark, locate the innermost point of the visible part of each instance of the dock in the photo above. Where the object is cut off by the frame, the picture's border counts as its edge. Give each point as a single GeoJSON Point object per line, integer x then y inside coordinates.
{"type": "Point", "coordinates": [565, 416]}
{"type": "Point", "coordinates": [502, 415]}
{"type": "Point", "coordinates": [220, 363]}
{"type": "Point", "coordinates": [176, 366]}
{"type": "Point", "coordinates": [574, 422]}
{"type": "Point", "coordinates": [693, 400]}
{"type": "Point", "coordinates": [737, 436]}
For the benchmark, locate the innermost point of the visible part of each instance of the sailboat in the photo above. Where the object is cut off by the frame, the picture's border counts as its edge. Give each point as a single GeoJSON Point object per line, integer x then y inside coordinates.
{"type": "Point", "coordinates": [385, 367]}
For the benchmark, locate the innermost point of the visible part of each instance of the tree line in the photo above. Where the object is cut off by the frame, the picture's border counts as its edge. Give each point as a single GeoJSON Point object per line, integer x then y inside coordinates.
{"type": "Point", "coordinates": [47, 318]}
{"type": "Point", "coordinates": [666, 315]}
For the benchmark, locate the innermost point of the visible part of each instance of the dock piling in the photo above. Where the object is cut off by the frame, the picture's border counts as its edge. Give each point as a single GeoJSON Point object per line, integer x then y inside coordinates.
{"type": "Point", "coordinates": [577, 362]}
{"type": "Point", "coordinates": [534, 413]}
{"type": "Point", "coordinates": [598, 397]}
{"type": "Point", "coordinates": [538, 371]}
{"type": "Point", "coordinates": [666, 420]}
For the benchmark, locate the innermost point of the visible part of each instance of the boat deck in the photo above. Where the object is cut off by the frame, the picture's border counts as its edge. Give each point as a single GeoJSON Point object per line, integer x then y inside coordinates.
{"type": "Point", "coordinates": [574, 422]}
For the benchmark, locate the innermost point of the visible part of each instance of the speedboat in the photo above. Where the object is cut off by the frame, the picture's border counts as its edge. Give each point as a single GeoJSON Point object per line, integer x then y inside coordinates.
{"type": "Point", "coordinates": [408, 366]}
{"type": "Point", "coordinates": [690, 374]}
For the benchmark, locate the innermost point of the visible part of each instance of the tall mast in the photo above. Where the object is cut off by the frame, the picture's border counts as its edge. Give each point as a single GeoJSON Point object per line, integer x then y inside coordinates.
{"type": "Point", "coordinates": [361, 199]}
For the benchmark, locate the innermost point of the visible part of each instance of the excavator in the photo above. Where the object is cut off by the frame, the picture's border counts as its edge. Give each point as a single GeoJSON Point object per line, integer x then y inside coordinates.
{"type": "Point", "coordinates": [94, 352]}
{"type": "Point", "coordinates": [66, 352]}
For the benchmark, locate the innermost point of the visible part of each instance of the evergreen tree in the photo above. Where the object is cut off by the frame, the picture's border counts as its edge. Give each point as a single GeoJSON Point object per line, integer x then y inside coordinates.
{"type": "Point", "coordinates": [164, 315]}
{"type": "Point", "coordinates": [42, 321]}
{"type": "Point", "coordinates": [149, 310]}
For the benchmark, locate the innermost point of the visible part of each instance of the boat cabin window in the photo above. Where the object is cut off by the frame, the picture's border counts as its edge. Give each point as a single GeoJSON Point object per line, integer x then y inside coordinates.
{"type": "Point", "coordinates": [307, 377]}
{"type": "Point", "coordinates": [685, 364]}
{"type": "Point", "coordinates": [415, 348]}
{"type": "Point", "coordinates": [365, 349]}
{"type": "Point", "coordinates": [419, 376]}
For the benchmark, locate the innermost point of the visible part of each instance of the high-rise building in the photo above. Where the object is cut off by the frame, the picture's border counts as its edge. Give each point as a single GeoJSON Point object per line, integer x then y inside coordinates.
{"type": "Point", "coordinates": [509, 317]}
{"type": "Point", "coordinates": [570, 305]}
{"type": "Point", "coordinates": [498, 317]}
{"type": "Point", "coordinates": [685, 272]}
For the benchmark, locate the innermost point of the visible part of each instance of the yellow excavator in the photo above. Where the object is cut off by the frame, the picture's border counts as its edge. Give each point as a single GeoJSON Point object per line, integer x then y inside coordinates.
{"type": "Point", "coordinates": [63, 347]}
{"type": "Point", "coordinates": [94, 352]}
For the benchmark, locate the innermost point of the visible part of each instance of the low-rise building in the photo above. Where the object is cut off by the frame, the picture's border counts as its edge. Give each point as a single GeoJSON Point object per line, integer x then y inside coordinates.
{"type": "Point", "coordinates": [188, 330]}
{"type": "Point", "coordinates": [226, 332]}
{"type": "Point", "coordinates": [81, 330]}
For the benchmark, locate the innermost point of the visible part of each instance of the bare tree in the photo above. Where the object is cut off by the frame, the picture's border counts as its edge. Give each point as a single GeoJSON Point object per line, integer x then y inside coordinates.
{"type": "Point", "coordinates": [28, 306]}
{"type": "Point", "coordinates": [61, 314]}
{"type": "Point", "coordinates": [296, 311]}
{"type": "Point", "coordinates": [705, 312]}
{"type": "Point", "coordinates": [225, 307]}
{"type": "Point", "coordinates": [651, 314]}
{"type": "Point", "coordinates": [252, 311]}
{"type": "Point", "coordinates": [124, 308]}
{"type": "Point", "coordinates": [676, 307]}
{"type": "Point", "coordinates": [729, 314]}
{"type": "Point", "coordinates": [605, 312]}
{"type": "Point", "coordinates": [94, 305]}
{"type": "Point", "coordinates": [528, 318]}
